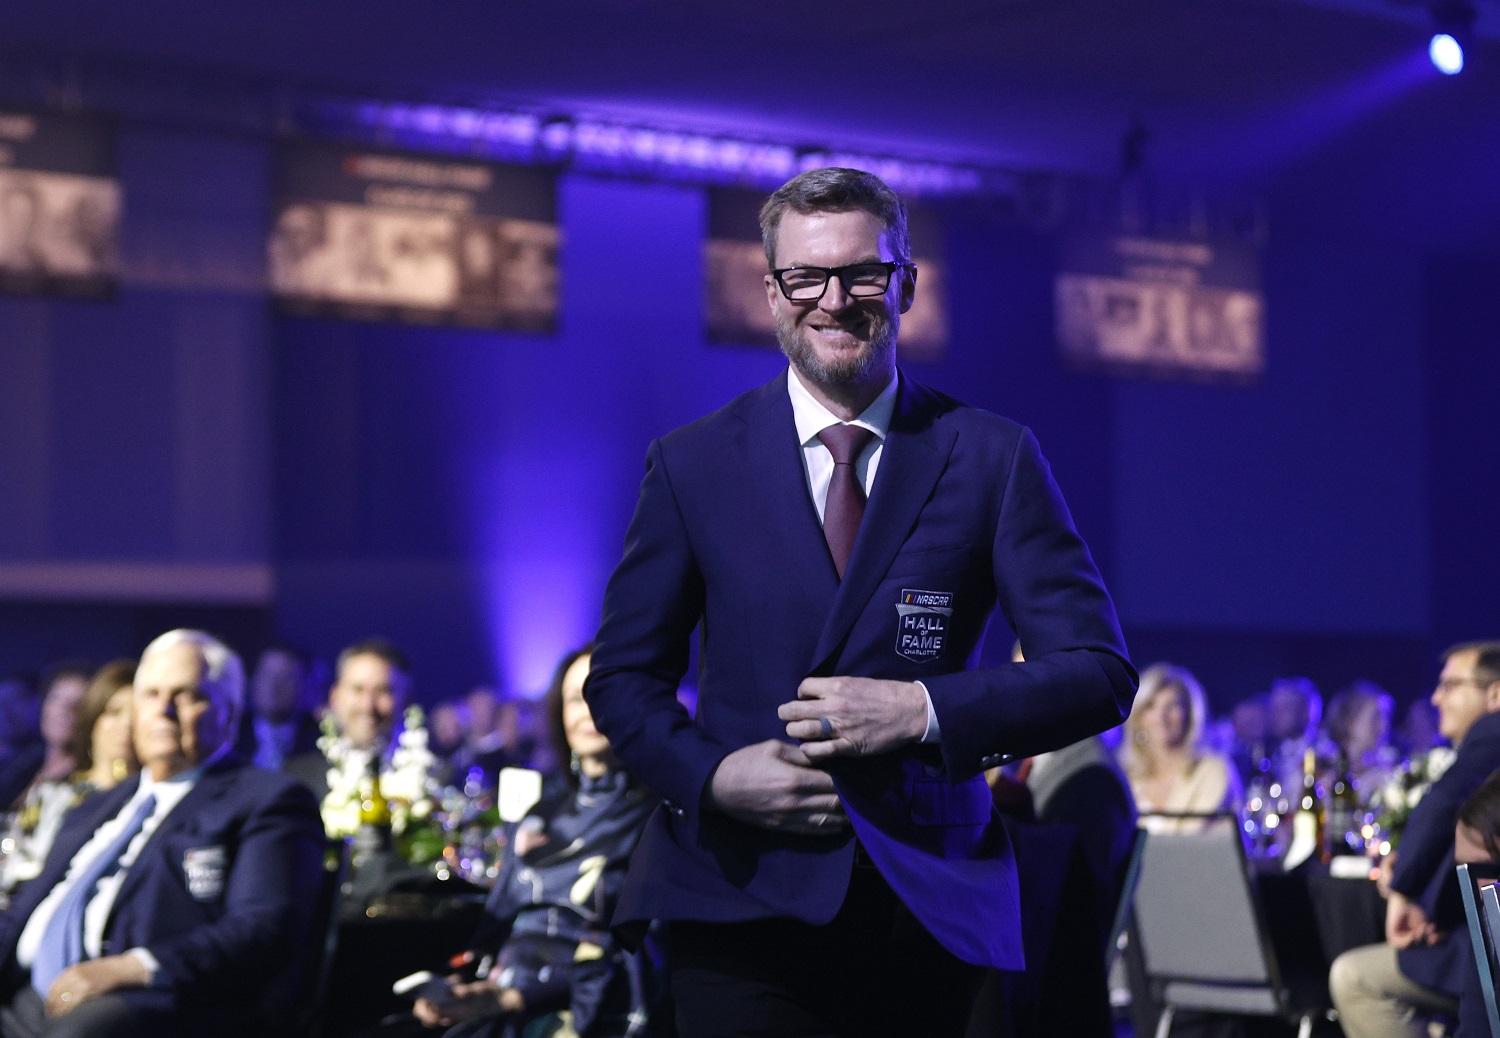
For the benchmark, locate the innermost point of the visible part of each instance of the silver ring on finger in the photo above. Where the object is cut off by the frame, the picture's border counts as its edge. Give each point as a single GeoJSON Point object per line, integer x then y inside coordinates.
{"type": "Point", "coordinates": [827, 727]}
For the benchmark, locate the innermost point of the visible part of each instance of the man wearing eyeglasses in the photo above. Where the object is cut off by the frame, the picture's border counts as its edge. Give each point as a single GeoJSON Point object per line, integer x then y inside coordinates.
{"type": "Point", "coordinates": [1380, 989]}
{"type": "Point", "coordinates": [828, 858]}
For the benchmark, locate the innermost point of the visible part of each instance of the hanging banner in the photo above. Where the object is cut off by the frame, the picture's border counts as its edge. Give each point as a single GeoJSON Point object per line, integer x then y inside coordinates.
{"type": "Point", "coordinates": [59, 205]}
{"type": "Point", "coordinates": [1134, 305]}
{"type": "Point", "coordinates": [735, 310]}
{"type": "Point", "coordinates": [388, 236]}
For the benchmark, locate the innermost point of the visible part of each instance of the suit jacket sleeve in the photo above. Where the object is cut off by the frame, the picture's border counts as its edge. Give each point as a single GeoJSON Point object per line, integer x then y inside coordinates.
{"type": "Point", "coordinates": [1077, 680]}
{"type": "Point", "coordinates": [652, 603]}
{"type": "Point", "coordinates": [269, 895]}
{"type": "Point", "coordinates": [1424, 861]}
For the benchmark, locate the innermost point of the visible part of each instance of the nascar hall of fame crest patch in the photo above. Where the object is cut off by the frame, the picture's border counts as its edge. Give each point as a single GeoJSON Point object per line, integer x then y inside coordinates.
{"type": "Point", "coordinates": [922, 624]}
{"type": "Point", "coordinates": [204, 869]}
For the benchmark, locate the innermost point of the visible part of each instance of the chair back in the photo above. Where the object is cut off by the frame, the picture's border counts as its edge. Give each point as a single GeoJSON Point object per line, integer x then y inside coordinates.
{"type": "Point", "coordinates": [1127, 899]}
{"type": "Point", "coordinates": [1203, 936]}
{"type": "Point", "coordinates": [1476, 882]}
{"type": "Point", "coordinates": [323, 936]}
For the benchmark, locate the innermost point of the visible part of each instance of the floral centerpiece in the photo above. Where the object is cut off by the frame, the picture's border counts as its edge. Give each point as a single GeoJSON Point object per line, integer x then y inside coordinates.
{"type": "Point", "coordinates": [406, 782]}
{"type": "Point", "coordinates": [1393, 802]}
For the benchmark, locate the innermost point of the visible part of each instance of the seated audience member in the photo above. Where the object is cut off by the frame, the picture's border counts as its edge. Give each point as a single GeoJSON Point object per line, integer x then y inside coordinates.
{"type": "Point", "coordinates": [371, 683]}
{"type": "Point", "coordinates": [1296, 715]}
{"type": "Point", "coordinates": [1169, 769]}
{"type": "Point", "coordinates": [1418, 733]}
{"type": "Point", "coordinates": [447, 723]}
{"type": "Point", "coordinates": [1359, 727]}
{"type": "Point", "coordinates": [101, 747]}
{"type": "Point", "coordinates": [1379, 988]}
{"type": "Point", "coordinates": [277, 727]}
{"type": "Point", "coordinates": [63, 687]}
{"type": "Point", "coordinates": [548, 914]}
{"type": "Point", "coordinates": [177, 903]}
{"type": "Point", "coordinates": [485, 746]}
{"type": "Point", "coordinates": [1476, 838]}
{"type": "Point", "coordinates": [1251, 719]}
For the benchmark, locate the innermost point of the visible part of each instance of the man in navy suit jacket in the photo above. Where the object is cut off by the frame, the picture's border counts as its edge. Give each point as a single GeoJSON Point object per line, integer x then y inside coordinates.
{"type": "Point", "coordinates": [202, 923]}
{"type": "Point", "coordinates": [828, 855]}
{"type": "Point", "coordinates": [1420, 967]}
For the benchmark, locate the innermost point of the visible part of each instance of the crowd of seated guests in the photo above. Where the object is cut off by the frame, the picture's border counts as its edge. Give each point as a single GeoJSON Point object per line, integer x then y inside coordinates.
{"type": "Point", "coordinates": [115, 750]}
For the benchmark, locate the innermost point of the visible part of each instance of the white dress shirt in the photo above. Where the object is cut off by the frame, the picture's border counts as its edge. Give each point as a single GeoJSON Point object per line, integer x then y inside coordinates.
{"type": "Point", "coordinates": [812, 418]}
{"type": "Point", "coordinates": [96, 913]}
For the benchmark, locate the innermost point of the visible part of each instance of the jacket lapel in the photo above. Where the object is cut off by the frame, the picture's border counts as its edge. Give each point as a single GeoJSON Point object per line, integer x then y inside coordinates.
{"type": "Point", "coordinates": [915, 453]}
{"type": "Point", "coordinates": [779, 482]}
{"type": "Point", "coordinates": [186, 816]}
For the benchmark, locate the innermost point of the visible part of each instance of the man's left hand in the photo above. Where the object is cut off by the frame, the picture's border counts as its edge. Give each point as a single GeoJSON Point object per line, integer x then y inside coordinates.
{"type": "Point", "coordinates": [865, 716]}
{"type": "Point", "coordinates": [92, 978]}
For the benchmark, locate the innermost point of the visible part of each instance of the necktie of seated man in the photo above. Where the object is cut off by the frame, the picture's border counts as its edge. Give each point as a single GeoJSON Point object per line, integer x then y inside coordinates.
{"type": "Point", "coordinates": [62, 939]}
{"type": "Point", "coordinates": [846, 497]}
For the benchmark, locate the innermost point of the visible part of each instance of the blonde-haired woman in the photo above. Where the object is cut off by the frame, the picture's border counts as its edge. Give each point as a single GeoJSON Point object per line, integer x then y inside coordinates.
{"type": "Point", "coordinates": [1171, 772]}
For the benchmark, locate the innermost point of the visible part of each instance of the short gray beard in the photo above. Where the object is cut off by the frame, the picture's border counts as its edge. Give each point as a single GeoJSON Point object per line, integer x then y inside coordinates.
{"type": "Point", "coordinates": [850, 372]}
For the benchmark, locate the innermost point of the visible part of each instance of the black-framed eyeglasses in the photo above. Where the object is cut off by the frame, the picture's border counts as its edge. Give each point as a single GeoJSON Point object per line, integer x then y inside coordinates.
{"type": "Point", "coordinates": [860, 280]}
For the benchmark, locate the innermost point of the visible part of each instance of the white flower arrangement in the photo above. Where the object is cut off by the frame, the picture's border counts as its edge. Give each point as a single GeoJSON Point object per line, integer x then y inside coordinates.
{"type": "Point", "coordinates": [1395, 801]}
{"type": "Point", "coordinates": [405, 780]}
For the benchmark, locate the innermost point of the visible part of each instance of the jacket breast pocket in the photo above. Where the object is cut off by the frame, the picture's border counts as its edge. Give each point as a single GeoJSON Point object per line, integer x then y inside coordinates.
{"type": "Point", "coordinates": [931, 560]}
{"type": "Point", "coordinates": [937, 801]}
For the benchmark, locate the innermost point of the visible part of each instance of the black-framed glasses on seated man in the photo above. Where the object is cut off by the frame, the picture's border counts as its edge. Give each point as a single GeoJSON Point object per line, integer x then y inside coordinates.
{"type": "Point", "coordinates": [860, 280]}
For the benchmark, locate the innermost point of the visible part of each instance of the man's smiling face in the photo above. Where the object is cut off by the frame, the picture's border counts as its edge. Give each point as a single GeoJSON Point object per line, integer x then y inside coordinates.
{"type": "Point", "coordinates": [838, 340]}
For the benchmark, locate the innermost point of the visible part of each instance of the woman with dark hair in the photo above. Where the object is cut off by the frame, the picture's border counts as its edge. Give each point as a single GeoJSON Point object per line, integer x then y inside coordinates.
{"type": "Point", "coordinates": [1358, 723]}
{"type": "Point", "coordinates": [1476, 839]}
{"type": "Point", "coordinates": [100, 748]}
{"type": "Point", "coordinates": [547, 918]}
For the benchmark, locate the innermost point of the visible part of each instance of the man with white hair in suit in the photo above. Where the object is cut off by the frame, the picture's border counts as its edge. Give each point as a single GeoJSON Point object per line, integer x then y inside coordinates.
{"type": "Point", "coordinates": [177, 903]}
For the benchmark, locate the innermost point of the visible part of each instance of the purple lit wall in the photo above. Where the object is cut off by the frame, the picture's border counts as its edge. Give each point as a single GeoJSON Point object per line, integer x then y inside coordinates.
{"type": "Point", "coordinates": [466, 493]}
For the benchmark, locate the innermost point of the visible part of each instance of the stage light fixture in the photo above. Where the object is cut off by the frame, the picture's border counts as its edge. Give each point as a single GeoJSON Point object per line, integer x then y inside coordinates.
{"type": "Point", "coordinates": [1453, 23]}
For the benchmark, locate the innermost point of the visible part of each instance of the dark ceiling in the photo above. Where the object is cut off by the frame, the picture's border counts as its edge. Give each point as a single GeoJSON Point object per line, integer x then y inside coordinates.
{"type": "Point", "coordinates": [1327, 110]}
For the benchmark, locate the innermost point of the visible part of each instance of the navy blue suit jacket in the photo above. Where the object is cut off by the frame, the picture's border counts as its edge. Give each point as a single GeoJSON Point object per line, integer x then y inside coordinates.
{"type": "Point", "coordinates": [1424, 862]}
{"type": "Point", "coordinates": [725, 538]}
{"type": "Point", "coordinates": [234, 938]}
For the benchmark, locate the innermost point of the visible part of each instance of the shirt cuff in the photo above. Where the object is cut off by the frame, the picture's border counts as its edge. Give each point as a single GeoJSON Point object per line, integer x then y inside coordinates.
{"type": "Point", "coordinates": [146, 959]}
{"type": "Point", "coordinates": [932, 734]}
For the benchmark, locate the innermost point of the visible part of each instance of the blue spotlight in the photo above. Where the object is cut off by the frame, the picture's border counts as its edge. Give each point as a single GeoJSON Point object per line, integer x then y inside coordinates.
{"type": "Point", "coordinates": [1447, 54]}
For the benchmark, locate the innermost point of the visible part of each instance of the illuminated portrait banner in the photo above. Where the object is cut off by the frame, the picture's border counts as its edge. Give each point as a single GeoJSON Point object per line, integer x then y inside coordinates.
{"type": "Point", "coordinates": [735, 310]}
{"type": "Point", "coordinates": [1134, 305]}
{"type": "Point", "coordinates": [59, 204]}
{"type": "Point", "coordinates": [375, 235]}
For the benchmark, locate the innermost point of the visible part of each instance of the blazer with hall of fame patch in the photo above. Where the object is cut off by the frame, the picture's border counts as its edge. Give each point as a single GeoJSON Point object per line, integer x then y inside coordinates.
{"type": "Point", "coordinates": [963, 518]}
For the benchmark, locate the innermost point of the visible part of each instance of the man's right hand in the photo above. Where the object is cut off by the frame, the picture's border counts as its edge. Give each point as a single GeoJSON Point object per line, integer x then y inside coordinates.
{"type": "Point", "coordinates": [773, 785]}
{"type": "Point", "coordinates": [1405, 923]}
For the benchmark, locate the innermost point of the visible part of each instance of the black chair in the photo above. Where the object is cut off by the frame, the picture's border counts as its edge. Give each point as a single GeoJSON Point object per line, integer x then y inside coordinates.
{"type": "Point", "coordinates": [1204, 943]}
{"type": "Point", "coordinates": [323, 939]}
{"type": "Point", "coordinates": [1476, 883]}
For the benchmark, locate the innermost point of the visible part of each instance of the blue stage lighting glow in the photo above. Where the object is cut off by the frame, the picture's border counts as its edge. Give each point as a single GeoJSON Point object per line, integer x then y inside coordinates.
{"type": "Point", "coordinates": [609, 147]}
{"type": "Point", "coordinates": [1446, 53]}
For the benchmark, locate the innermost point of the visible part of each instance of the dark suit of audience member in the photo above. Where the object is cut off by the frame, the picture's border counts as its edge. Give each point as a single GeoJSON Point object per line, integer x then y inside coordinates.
{"type": "Point", "coordinates": [1072, 868]}
{"type": "Point", "coordinates": [1424, 865]}
{"type": "Point", "coordinates": [178, 902]}
{"type": "Point", "coordinates": [1425, 899]}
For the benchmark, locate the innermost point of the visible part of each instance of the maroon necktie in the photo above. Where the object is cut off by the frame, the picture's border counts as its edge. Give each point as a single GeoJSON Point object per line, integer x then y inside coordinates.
{"type": "Point", "coordinates": [846, 497]}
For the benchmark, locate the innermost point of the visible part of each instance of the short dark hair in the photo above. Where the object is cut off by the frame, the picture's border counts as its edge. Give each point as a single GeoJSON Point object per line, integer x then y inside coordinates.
{"type": "Point", "coordinates": [1345, 707]}
{"type": "Point", "coordinates": [1481, 813]}
{"type": "Point", "coordinates": [557, 733]}
{"type": "Point", "coordinates": [373, 647]}
{"type": "Point", "coordinates": [836, 189]}
{"type": "Point", "coordinates": [1487, 661]}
